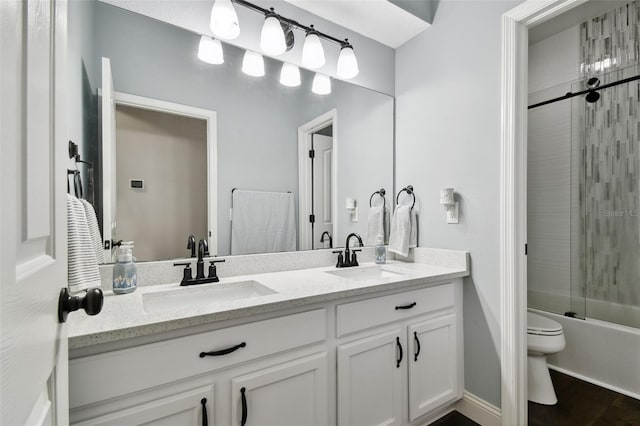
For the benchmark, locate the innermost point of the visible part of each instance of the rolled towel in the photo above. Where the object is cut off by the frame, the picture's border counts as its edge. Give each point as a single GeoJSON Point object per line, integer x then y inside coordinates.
{"type": "Point", "coordinates": [82, 264]}
{"type": "Point", "coordinates": [94, 231]}
{"type": "Point", "coordinates": [404, 230]}
{"type": "Point", "coordinates": [375, 225]}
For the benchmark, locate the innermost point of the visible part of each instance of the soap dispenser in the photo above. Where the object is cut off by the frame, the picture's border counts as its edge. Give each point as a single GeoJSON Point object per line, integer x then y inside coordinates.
{"type": "Point", "coordinates": [125, 272]}
{"type": "Point", "coordinates": [381, 251]}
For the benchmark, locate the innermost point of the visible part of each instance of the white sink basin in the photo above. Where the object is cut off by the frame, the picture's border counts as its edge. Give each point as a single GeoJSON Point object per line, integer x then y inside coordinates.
{"type": "Point", "coordinates": [203, 295]}
{"type": "Point", "coordinates": [364, 273]}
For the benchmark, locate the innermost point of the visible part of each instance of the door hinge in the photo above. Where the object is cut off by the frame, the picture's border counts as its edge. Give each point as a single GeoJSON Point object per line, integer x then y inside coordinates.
{"type": "Point", "coordinates": [312, 218]}
{"type": "Point", "coordinates": [312, 153]}
{"type": "Point", "coordinates": [526, 249]}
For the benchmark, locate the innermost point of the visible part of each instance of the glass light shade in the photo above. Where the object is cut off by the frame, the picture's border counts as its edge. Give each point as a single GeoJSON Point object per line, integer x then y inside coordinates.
{"type": "Point", "coordinates": [312, 52]}
{"type": "Point", "coordinates": [272, 40]}
{"type": "Point", "coordinates": [347, 63]}
{"type": "Point", "coordinates": [321, 84]}
{"type": "Point", "coordinates": [290, 75]}
{"type": "Point", "coordinates": [253, 64]}
{"type": "Point", "coordinates": [210, 51]}
{"type": "Point", "coordinates": [224, 20]}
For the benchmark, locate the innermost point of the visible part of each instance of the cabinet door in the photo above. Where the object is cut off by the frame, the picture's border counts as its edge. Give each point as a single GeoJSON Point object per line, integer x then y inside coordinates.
{"type": "Point", "coordinates": [289, 394]}
{"type": "Point", "coordinates": [370, 377]}
{"type": "Point", "coordinates": [433, 364]}
{"type": "Point", "coordinates": [193, 407]}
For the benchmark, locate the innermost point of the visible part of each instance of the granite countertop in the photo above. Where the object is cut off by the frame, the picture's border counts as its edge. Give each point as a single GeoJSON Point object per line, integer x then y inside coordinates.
{"type": "Point", "coordinates": [124, 316]}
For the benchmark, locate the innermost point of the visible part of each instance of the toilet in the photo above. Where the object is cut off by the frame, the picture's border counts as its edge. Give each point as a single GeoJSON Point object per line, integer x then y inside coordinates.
{"type": "Point", "coordinates": [544, 337]}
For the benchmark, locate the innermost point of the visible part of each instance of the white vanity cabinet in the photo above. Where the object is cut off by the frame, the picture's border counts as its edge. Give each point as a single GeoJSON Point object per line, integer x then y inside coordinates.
{"type": "Point", "coordinates": [386, 360]}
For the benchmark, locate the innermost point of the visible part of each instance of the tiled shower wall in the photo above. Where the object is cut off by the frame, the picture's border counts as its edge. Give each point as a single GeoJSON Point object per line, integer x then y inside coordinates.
{"type": "Point", "coordinates": [609, 148]}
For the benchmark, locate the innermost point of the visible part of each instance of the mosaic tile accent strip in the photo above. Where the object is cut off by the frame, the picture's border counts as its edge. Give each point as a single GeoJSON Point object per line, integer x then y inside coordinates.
{"type": "Point", "coordinates": [609, 175]}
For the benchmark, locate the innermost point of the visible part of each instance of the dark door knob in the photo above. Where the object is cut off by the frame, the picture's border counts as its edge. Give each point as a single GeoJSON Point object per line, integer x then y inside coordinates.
{"type": "Point", "coordinates": [91, 303]}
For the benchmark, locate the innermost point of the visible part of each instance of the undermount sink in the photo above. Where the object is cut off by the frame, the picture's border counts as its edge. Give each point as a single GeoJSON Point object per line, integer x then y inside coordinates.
{"type": "Point", "coordinates": [203, 295]}
{"type": "Point", "coordinates": [364, 273]}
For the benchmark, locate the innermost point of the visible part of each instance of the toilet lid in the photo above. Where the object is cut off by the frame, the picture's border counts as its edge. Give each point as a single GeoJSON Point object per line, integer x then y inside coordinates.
{"type": "Point", "coordinates": [537, 324]}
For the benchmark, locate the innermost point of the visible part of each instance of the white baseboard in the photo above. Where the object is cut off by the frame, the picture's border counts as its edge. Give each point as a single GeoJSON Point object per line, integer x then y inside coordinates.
{"type": "Point", "coordinates": [479, 410]}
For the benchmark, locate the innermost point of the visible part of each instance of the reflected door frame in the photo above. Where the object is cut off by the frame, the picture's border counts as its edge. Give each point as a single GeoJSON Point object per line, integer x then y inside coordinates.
{"type": "Point", "coordinates": [210, 117]}
{"type": "Point", "coordinates": [305, 205]}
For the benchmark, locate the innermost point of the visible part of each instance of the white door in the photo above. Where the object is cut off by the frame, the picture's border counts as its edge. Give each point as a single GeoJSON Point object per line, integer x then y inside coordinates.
{"type": "Point", "coordinates": [322, 185]}
{"type": "Point", "coordinates": [33, 240]}
{"type": "Point", "coordinates": [370, 373]}
{"type": "Point", "coordinates": [433, 365]}
{"type": "Point", "coordinates": [290, 394]}
{"type": "Point", "coordinates": [109, 206]}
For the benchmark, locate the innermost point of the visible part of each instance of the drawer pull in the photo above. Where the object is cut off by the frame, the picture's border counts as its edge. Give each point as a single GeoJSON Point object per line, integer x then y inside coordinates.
{"type": "Point", "coordinates": [399, 360]}
{"type": "Point", "coordinates": [409, 306]}
{"type": "Point", "coordinates": [223, 351]}
{"type": "Point", "coordinates": [205, 419]}
{"type": "Point", "coordinates": [415, 336]}
{"type": "Point", "coordinates": [243, 420]}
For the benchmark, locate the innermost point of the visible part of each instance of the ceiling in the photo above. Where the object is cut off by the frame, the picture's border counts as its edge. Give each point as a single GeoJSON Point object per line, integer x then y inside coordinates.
{"type": "Point", "coordinates": [379, 20]}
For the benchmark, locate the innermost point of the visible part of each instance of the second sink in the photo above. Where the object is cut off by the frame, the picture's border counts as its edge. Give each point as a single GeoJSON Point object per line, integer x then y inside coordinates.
{"type": "Point", "coordinates": [364, 273]}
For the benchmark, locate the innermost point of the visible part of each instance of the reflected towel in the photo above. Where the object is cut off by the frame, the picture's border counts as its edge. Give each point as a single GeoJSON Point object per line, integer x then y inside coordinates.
{"type": "Point", "coordinates": [262, 222]}
{"type": "Point", "coordinates": [82, 263]}
{"type": "Point", "coordinates": [404, 230]}
{"type": "Point", "coordinates": [94, 231]}
{"type": "Point", "coordinates": [377, 225]}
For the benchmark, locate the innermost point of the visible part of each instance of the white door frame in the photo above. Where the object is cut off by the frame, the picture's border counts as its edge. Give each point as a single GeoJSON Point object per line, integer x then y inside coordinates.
{"type": "Point", "coordinates": [513, 199]}
{"type": "Point", "coordinates": [305, 133]}
{"type": "Point", "coordinates": [212, 149]}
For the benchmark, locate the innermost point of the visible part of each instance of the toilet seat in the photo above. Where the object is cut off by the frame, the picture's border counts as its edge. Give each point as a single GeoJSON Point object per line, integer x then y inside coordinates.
{"type": "Point", "coordinates": [542, 326]}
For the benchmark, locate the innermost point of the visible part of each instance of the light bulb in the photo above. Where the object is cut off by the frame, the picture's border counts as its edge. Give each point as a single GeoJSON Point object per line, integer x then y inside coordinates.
{"type": "Point", "coordinates": [321, 84]}
{"type": "Point", "coordinates": [312, 51]}
{"type": "Point", "coordinates": [290, 75]}
{"type": "Point", "coordinates": [272, 40]}
{"type": "Point", "coordinates": [253, 64]}
{"type": "Point", "coordinates": [347, 63]}
{"type": "Point", "coordinates": [224, 20]}
{"type": "Point", "coordinates": [210, 51]}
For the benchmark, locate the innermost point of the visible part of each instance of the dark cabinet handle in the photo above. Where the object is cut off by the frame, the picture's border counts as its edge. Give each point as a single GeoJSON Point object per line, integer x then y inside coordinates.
{"type": "Point", "coordinates": [205, 418]}
{"type": "Point", "coordinates": [223, 351]}
{"type": "Point", "coordinates": [415, 336]}
{"type": "Point", "coordinates": [409, 306]}
{"type": "Point", "coordinates": [399, 360]}
{"type": "Point", "coordinates": [91, 303]}
{"type": "Point", "coordinates": [243, 420]}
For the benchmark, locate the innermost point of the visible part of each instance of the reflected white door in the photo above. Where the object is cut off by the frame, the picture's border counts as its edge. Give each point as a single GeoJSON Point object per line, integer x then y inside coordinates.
{"type": "Point", "coordinates": [33, 241]}
{"type": "Point", "coordinates": [322, 184]}
{"type": "Point", "coordinates": [108, 107]}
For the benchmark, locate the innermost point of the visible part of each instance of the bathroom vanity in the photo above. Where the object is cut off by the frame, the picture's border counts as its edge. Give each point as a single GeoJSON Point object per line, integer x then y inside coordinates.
{"type": "Point", "coordinates": [375, 344]}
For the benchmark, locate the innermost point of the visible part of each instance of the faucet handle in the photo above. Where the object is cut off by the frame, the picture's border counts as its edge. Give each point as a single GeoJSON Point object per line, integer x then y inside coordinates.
{"type": "Point", "coordinates": [213, 272]}
{"type": "Point", "coordinates": [354, 258]}
{"type": "Point", "coordinates": [186, 274]}
{"type": "Point", "coordinates": [340, 263]}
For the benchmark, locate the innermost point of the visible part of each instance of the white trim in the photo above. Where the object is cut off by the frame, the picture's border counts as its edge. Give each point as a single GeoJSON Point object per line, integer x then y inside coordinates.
{"type": "Point", "coordinates": [479, 410]}
{"type": "Point", "coordinates": [513, 199]}
{"type": "Point", "coordinates": [304, 175]}
{"type": "Point", "coordinates": [593, 381]}
{"type": "Point", "coordinates": [212, 149]}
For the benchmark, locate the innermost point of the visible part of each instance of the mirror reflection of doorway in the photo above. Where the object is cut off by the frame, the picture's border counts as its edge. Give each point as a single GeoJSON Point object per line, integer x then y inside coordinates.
{"type": "Point", "coordinates": [321, 182]}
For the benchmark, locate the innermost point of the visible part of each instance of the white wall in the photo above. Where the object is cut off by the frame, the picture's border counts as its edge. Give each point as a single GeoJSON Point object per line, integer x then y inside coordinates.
{"type": "Point", "coordinates": [448, 135]}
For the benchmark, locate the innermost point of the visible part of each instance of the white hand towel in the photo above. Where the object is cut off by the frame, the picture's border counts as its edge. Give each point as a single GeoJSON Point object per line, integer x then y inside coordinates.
{"type": "Point", "coordinates": [375, 225]}
{"type": "Point", "coordinates": [94, 231]}
{"type": "Point", "coordinates": [404, 230]}
{"type": "Point", "coordinates": [82, 263]}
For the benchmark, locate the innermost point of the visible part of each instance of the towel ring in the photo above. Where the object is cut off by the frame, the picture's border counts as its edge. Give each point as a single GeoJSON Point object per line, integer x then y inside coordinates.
{"type": "Point", "coordinates": [77, 183]}
{"type": "Point", "coordinates": [381, 193]}
{"type": "Point", "coordinates": [409, 190]}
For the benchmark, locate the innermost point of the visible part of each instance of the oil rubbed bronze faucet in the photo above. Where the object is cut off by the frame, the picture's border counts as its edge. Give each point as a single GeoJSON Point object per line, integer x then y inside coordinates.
{"type": "Point", "coordinates": [350, 258]}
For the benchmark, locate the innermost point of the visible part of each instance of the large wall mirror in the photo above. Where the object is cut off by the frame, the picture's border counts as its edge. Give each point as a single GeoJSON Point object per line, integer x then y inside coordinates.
{"type": "Point", "coordinates": [181, 147]}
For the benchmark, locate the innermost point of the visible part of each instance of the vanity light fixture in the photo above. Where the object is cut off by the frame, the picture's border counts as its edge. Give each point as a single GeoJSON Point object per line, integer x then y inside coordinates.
{"type": "Point", "coordinates": [210, 51]}
{"type": "Point", "coordinates": [321, 84]}
{"type": "Point", "coordinates": [312, 50]}
{"type": "Point", "coordinates": [290, 75]}
{"type": "Point", "coordinates": [224, 20]}
{"type": "Point", "coordinates": [347, 62]}
{"type": "Point", "coordinates": [253, 64]}
{"type": "Point", "coordinates": [272, 38]}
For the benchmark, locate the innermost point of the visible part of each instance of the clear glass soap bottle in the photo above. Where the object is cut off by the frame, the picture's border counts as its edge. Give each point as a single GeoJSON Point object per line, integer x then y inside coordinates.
{"type": "Point", "coordinates": [381, 251]}
{"type": "Point", "coordinates": [125, 272]}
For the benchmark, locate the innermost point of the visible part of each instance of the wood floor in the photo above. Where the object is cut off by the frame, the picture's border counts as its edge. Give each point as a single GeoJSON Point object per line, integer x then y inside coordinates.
{"type": "Point", "coordinates": [454, 419]}
{"type": "Point", "coordinates": [583, 404]}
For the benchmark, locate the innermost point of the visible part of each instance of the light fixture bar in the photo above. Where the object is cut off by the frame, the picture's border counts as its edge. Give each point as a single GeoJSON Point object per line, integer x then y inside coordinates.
{"type": "Point", "coordinates": [288, 21]}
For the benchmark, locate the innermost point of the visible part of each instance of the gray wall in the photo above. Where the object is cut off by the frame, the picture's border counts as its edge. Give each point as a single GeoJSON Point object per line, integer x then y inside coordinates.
{"type": "Point", "coordinates": [257, 118]}
{"type": "Point", "coordinates": [448, 135]}
{"type": "Point", "coordinates": [375, 59]}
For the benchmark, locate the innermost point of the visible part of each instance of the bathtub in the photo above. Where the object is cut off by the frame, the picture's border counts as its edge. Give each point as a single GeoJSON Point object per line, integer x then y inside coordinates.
{"type": "Point", "coordinates": [599, 352]}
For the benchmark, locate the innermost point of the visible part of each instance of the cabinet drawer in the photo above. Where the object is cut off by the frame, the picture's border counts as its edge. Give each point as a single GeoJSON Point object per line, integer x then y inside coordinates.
{"type": "Point", "coordinates": [129, 370]}
{"type": "Point", "coordinates": [370, 313]}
